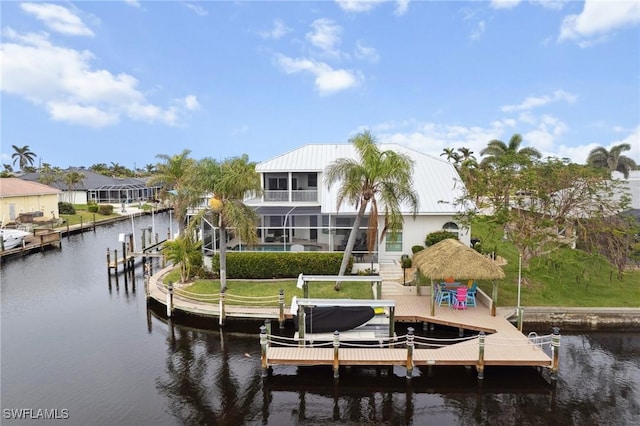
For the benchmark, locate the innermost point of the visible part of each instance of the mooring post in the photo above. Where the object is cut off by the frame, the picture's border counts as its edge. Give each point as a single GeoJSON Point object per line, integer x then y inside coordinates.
{"type": "Point", "coordinates": [520, 318]}
{"type": "Point", "coordinates": [409, 364]}
{"type": "Point", "coordinates": [281, 303]}
{"type": "Point", "coordinates": [555, 348]}
{"type": "Point", "coordinates": [379, 290]}
{"type": "Point", "coordinates": [108, 262]}
{"type": "Point", "coordinates": [336, 358]}
{"type": "Point", "coordinates": [302, 326]}
{"type": "Point", "coordinates": [124, 256]}
{"type": "Point", "coordinates": [169, 299]}
{"type": "Point", "coordinates": [480, 365]}
{"type": "Point", "coordinates": [392, 321]}
{"type": "Point", "coordinates": [305, 289]}
{"type": "Point", "coordinates": [267, 323]}
{"type": "Point", "coordinates": [222, 313]}
{"type": "Point", "coordinates": [494, 298]}
{"type": "Point", "coordinates": [264, 341]}
{"type": "Point", "coordinates": [94, 222]}
{"type": "Point", "coordinates": [81, 225]}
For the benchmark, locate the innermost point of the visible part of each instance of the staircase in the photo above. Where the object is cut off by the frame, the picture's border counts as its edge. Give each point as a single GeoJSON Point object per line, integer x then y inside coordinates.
{"type": "Point", "coordinates": [392, 278]}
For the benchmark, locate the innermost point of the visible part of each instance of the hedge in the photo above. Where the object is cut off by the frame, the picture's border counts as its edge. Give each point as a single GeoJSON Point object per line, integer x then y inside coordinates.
{"type": "Point", "coordinates": [265, 265]}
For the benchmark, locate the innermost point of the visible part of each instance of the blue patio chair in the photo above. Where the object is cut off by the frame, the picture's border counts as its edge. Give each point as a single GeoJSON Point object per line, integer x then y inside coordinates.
{"type": "Point", "coordinates": [442, 295]}
{"type": "Point", "coordinates": [471, 294]}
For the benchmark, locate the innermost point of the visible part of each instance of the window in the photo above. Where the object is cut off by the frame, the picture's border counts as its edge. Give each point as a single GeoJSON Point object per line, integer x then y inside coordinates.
{"type": "Point", "coordinates": [451, 227]}
{"type": "Point", "coordinates": [312, 180]}
{"type": "Point", "coordinates": [393, 241]}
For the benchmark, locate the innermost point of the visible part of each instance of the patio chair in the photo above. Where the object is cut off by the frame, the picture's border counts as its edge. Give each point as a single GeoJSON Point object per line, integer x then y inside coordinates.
{"type": "Point", "coordinates": [442, 295]}
{"type": "Point", "coordinates": [460, 299]}
{"type": "Point", "coordinates": [471, 295]}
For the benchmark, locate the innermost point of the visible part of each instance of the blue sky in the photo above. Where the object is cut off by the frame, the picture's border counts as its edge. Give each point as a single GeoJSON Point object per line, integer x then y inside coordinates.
{"type": "Point", "coordinates": [123, 81]}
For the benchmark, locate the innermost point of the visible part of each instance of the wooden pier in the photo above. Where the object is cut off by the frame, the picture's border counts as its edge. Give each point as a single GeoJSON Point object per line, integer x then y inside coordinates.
{"type": "Point", "coordinates": [40, 240]}
{"type": "Point", "coordinates": [497, 342]}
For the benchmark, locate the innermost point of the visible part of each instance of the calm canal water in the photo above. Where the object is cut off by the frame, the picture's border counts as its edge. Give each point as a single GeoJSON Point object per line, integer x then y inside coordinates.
{"type": "Point", "coordinates": [100, 356]}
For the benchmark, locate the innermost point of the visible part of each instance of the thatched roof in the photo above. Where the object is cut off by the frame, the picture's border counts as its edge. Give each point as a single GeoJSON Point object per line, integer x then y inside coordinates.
{"type": "Point", "coordinates": [451, 258]}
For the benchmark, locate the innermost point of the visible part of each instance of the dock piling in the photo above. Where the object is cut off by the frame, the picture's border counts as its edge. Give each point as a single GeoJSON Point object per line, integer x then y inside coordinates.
{"type": "Point", "coordinates": [555, 349]}
{"type": "Point", "coordinates": [169, 299]}
{"type": "Point", "coordinates": [263, 347]}
{"type": "Point", "coordinates": [336, 358]}
{"type": "Point", "coordinates": [281, 313]}
{"type": "Point", "coordinates": [222, 313]}
{"type": "Point", "coordinates": [410, 346]}
{"type": "Point", "coordinates": [480, 366]}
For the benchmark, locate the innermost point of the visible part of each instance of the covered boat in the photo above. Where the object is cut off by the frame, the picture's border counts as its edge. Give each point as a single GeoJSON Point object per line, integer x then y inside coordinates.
{"type": "Point", "coordinates": [12, 238]}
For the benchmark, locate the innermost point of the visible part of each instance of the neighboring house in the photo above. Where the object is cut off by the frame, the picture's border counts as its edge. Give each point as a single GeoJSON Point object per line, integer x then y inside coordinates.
{"type": "Point", "coordinates": [100, 189]}
{"type": "Point", "coordinates": [297, 209]}
{"type": "Point", "coordinates": [26, 200]}
{"type": "Point", "coordinates": [632, 184]}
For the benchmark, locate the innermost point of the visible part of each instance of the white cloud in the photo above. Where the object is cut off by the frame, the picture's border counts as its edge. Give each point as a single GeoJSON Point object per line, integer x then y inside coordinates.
{"type": "Point", "coordinates": [598, 18]}
{"type": "Point", "coordinates": [538, 101]}
{"type": "Point", "coordinates": [134, 3]}
{"type": "Point", "coordinates": [367, 53]}
{"type": "Point", "coordinates": [57, 18]}
{"type": "Point", "coordinates": [478, 31]}
{"type": "Point", "coordinates": [83, 115]}
{"type": "Point", "coordinates": [550, 4]}
{"type": "Point", "coordinates": [325, 35]}
{"type": "Point", "coordinates": [278, 31]}
{"type": "Point", "coordinates": [544, 136]}
{"type": "Point", "coordinates": [328, 80]}
{"type": "Point", "coordinates": [199, 10]}
{"type": "Point", "coordinates": [62, 81]}
{"type": "Point", "coordinates": [358, 5]}
{"type": "Point", "coordinates": [504, 4]}
{"type": "Point", "coordinates": [402, 6]}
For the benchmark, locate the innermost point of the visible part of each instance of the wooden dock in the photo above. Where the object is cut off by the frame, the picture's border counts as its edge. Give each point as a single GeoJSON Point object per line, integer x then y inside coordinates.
{"type": "Point", "coordinates": [497, 342]}
{"type": "Point", "coordinates": [40, 240]}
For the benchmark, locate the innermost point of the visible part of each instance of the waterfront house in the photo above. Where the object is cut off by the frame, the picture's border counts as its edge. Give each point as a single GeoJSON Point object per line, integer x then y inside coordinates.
{"type": "Point", "coordinates": [97, 188]}
{"type": "Point", "coordinates": [25, 202]}
{"type": "Point", "coordinates": [299, 212]}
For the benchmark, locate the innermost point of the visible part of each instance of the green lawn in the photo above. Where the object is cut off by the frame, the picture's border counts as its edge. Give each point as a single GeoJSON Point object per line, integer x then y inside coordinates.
{"type": "Point", "coordinates": [566, 277]}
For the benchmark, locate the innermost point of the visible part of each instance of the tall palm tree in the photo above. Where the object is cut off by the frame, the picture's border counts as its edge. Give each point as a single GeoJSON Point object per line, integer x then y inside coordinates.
{"type": "Point", "coordinates": [499, 152]}
{"type": "Point", "coordinates": [23, 156]}
{"type": "Point", "coordinates": [72, 179]}
{"type": "Point", "coordinates": [175, 177]}
{"type": "Point", "coordinates": [231, 182]}
{"type": "Point", "coordinates": [450, 154]}
{"type": "Point", "coordinates": [382, 179]}
{"type": "Point", "coordinates": [613, 160]}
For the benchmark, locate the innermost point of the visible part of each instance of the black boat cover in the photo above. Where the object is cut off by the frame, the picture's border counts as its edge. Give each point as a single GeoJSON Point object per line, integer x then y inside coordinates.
{"type": "Point", "coordinates": [331, 318]}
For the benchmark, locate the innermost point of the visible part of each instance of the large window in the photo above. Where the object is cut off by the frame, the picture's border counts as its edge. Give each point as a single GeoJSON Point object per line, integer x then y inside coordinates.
{"type": "Point", "coordinates": [393, 241]}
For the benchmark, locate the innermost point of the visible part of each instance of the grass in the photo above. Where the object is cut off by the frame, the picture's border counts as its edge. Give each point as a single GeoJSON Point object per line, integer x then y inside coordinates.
{"type": "Point", "coordinates": [85, 216]}
{"type": "Point", "coordinates": [565, 277]}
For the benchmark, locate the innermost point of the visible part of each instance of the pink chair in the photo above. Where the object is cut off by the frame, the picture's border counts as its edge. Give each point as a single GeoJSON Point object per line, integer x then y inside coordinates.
{"type": "Point", "coordinates": [460, 299]}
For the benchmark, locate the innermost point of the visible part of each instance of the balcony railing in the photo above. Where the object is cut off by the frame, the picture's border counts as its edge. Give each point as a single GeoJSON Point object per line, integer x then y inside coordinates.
{"type": "Point", "coordinates": [297, 195]}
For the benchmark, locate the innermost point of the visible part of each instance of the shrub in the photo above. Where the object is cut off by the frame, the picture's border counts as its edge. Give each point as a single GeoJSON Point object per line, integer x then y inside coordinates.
{"type": "Point", "coordinates": [265, 265]}
{"type": "Point", "coordinates": [92, 208]}
{"type": "Point", "coordinates": [406, 262]}
{"type": "Point", "coordinates": [436, 237]}
{"type": "Point", "coordinates": [105, 209]}
{"type": "Point", "coordinates": [416, 248]}
{"type": "Point", "coordinates": [66, 208]}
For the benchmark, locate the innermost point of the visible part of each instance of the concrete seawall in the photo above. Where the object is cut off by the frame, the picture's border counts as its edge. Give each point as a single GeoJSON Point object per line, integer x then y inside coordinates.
{"type": "Point", "coordinates": [603, 318]}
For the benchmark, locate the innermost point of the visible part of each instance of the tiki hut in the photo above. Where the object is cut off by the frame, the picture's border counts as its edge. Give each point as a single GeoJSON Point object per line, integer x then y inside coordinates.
{"type": "Point", "coordinates": [451, 258]}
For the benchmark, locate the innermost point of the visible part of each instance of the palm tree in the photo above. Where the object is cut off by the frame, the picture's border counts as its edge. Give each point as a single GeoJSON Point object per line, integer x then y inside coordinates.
{"type": "Point", "coordinates": [612, 160]}
{"type": "Point", "coordinates": [175, 177]}
{"type": "Point", "coordinates": [72, 179]}
{"type": "Point", "coordinates": [184, 252]}
{"type": "Point", "coordinates": [451, 154]}
{"type": "Point", "coordinates": [511, 154]}
{"type": "Point", "coordinates": [230, 182]}
{"type": "Point", "coordinates": [23, 156]}
{"type": "Point", "coordinates": [382, 179]}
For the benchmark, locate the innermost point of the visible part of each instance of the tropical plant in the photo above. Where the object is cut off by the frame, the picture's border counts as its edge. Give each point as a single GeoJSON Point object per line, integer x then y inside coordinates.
{"type": "Point", "coordinates": [450, 154]}
{"type": "Point", "coordinates": [437, 236]}
{"type": "Point", "coordinates": [381, 179]}
{"type": "Point", "coordinates": [72, 179]}
{"type": "Point", "coordinates": [499, 152]}
{"type": "Point", "coordinates": [612, 160]}
{"type": "Point", "coordinates": [23, 156]}
{"type": "Point", "coordinates": [175, 177]}
{"type": "Point", "coordinates": [185, 252]}
{"type": "Point", "coordinates": [230, 182]}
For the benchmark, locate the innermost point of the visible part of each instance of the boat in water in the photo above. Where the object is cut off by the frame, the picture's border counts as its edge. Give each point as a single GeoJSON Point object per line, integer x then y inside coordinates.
{"type": "Point", "coordinates": [12, 238]}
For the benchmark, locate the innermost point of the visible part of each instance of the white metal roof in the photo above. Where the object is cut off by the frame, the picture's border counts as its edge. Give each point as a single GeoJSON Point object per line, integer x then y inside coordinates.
{"type": "Point", "coordinates": [436, 181]}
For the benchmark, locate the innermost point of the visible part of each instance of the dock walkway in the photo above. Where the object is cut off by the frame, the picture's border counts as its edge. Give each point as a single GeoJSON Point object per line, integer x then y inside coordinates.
{"type": "Point", "coordinates": [503, 344]}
